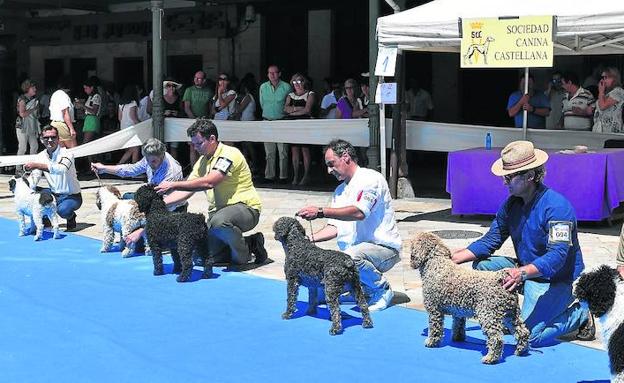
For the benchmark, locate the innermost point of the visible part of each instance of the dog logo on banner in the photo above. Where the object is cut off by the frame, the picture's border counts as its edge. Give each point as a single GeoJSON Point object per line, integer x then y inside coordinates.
{"type": "Point", "coordinates": [478, 47]}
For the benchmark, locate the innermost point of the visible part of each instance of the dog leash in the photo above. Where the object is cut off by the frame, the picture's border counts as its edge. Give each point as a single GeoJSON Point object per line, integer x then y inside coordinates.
{"type": "Point", "coordinates": [98, 177]}
{"type": "Point", "coordinates": [311, 231]}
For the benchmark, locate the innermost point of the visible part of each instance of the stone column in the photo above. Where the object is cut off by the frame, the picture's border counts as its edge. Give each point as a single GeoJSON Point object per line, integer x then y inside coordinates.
{"type": "Point", "coordinates": [158, 121]}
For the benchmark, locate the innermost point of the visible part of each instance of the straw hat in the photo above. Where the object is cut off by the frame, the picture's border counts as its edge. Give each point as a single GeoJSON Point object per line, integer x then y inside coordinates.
{"type": "Point", "coordinates": [177, 85]}
{"type": "Point", "coordinates": [518, 156]}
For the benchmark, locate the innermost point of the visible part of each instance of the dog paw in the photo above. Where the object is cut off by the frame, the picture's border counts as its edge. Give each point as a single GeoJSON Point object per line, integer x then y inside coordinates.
{"type": "Point", "coordinates": [311, 310]}
{"type": "Point", "coordinates": [57, 235]}
{"type": "Point", "coordinates": [459, 337]}
{"type": "Point", "coordinates": [158, 272]}
{"type": "Point", "coordinates": [431, 343]}
{"type": "Point", "coordinates": [489, 359]}
{"type": "Point", "coordinates": [126, 253]}
{"type": "Point", "coordinates": [367, 323]}
{"type": "Point", "coordinates": [335, 330]}
{"type": "Point", "coordinates": [207, 275]}
{"type": "Point", "coordinates": [286, 315]}
{"type": "Point", "coordinates": [105, 249]}
{"type": "Point", "coordinates": [21, 234]}
{"type": "Point", "coordinates": [182, 278]}
{"type": "Point", "coordinates": [37, 238]}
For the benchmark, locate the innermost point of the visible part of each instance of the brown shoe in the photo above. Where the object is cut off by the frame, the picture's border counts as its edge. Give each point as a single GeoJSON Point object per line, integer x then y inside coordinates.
{"type": "Point", "coordinates": [587, 331]}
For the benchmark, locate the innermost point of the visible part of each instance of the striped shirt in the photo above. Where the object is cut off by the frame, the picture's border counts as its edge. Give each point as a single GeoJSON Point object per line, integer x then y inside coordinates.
{"type": "Point", "coordinates": [581, 99]}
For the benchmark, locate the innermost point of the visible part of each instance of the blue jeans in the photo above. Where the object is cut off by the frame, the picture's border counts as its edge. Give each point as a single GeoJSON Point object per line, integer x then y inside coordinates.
{"type": "Point", "coordinates": [66, 204]}
{"type": "Point", "coordinates": [546, 309]}
{"type": "Point", "coordinates": [372, 260]}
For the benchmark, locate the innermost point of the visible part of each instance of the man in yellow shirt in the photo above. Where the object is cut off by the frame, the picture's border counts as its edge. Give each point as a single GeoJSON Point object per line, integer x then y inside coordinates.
{"type": "Point", "coordinates": [224, 170]}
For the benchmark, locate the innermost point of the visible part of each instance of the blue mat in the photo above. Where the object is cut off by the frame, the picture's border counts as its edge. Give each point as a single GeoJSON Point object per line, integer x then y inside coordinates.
{"type": "Point", "coordinates": [71, 314]}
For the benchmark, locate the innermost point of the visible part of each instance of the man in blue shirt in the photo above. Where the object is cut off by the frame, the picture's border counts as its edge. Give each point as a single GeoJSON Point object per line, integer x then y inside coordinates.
{"type": "Point", "coordinates": [535, 103]}
{"type": "Point", "coordinates": [542, 226]}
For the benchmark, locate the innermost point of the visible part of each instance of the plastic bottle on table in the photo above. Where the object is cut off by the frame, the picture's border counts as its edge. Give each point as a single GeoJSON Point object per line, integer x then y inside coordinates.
{"type": "Point", "coordinates": [488, 141]}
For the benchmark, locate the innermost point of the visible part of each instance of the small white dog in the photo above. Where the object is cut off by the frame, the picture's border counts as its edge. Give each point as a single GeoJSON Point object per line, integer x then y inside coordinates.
{"type": "Point", "coordinates": [118, 216]}
{"type": "Point", "coordinates": [35, 205]}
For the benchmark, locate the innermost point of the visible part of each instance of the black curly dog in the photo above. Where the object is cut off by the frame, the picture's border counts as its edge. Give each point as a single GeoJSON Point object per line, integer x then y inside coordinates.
{"type": "Point", "coordinates": [603, 290]}
{"type": "Point", "coordinates": [180, 232]}
{"type": "Point", "coordinates": [309, 265]}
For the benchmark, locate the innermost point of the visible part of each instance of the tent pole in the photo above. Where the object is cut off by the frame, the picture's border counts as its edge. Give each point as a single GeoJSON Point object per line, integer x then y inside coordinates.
{"type": "Point", "coordinates": [158, 120]}
{"type": "Point", "coordinates": [525, 113]}
{"type": "Point", "coordinates": [382, 133]}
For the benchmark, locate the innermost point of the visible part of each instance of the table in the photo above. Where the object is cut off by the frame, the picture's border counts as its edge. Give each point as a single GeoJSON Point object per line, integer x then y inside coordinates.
{"type": "Point", "coordinates": [592, 182]}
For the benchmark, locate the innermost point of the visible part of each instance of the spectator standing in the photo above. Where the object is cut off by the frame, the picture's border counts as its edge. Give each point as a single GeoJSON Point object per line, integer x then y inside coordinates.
{"type": "Point", "coordinates": [578, 106]}
{"type": "Point", "coordinates": [223, 102]}
{"type": "Point", "coordinates": [348, 106]}
{"type": "Point", "coordinates": [298, 105]}
{"type": "Point", "coordinates": [363, 99]}
{"type": "Point", "coordinates": [272, 96]}
{"type": "Point", "coordinates": [535, 103]}
{"type": "Point", "coordinates": [62, 114]}
{"type": "Point", "coordinates": [419, 102]}
{"type": "Point", "coordinates": [196, 101]}
{"type": "Point", "coordinates": [128, 116]}
{"type": "Point", "coordinates": [246, 111]}
{"type": "Point", "coordinates": [91, 126]}
{"type": "Point", "coordinates": [556, 94]}
{"type": "Point", "coordinates": [608, 112]}
{"type": "Point", "coordinates": [172, 107]}
{"type": "Point", "coordinates": [27, 123]}
{"type": "Point", "coordinates": [330, 100]}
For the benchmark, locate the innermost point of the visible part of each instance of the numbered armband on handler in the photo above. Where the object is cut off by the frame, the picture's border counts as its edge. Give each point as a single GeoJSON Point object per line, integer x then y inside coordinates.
{"type": "Point", "coordinates": [223, 165]}
{"type": "Point", "coordinates": [560, 232]}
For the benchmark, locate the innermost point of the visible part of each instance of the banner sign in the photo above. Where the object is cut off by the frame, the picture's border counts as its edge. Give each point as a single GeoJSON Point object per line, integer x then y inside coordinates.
{"type": "Point", "coordinates": [518, 42]}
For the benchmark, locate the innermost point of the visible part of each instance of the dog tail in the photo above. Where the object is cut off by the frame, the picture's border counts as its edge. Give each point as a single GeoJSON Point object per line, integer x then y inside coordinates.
{"type": "Point", "coordinates": [45, 198]}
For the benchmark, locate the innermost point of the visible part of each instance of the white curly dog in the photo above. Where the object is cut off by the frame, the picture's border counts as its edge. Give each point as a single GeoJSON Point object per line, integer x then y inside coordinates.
{"type": "Point", "coordinates": [36, 205]}
{"type": "Point", "coordinates": [118, 216]}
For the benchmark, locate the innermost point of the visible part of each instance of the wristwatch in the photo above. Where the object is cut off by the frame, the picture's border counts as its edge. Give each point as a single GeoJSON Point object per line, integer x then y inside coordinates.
{"type": "Point", "coordinates": [523, 275]}
{"type": "Point", "coordinates": [320, 213]}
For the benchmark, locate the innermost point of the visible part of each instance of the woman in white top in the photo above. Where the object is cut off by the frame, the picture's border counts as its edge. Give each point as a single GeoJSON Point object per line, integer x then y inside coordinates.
{"type": "Point", "coordinates": [128, 116]}
{"type": "Point", "coordinates": [223, 102]}
{"type": "Point", "coordinates": [246, 111]}
{"type": "Point", "coordinates": [608, 112]}
{"type": "Point", "coordinates": [299, 105]}
{"type": "Point", "coordinates": [91, 126]}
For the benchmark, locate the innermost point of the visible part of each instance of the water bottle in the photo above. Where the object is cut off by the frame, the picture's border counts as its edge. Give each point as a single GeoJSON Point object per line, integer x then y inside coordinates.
{"type": "Point", "coordinates": [488, 141]}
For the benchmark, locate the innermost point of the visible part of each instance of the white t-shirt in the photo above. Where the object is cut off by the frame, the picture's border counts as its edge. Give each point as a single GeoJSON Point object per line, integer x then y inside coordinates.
{"type": "Point", "coordinates": [328, 99]}
{"type": "Point", "coordinates": [61, 176]}
{"type": "Point", "coordinates": [126, 121]}
{"type": "Point", "coordinates": [93, 100]}
{"type": "Point", "coordinates": [60, 101]}
{"type": "Point", "coordinates": [142, 112]}
{"type": "Point", "coordinates": [368, 191]}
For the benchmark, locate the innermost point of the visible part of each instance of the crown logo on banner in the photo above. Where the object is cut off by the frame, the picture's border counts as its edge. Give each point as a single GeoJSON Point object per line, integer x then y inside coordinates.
{"type": "Point", "coordinates": [476, 25]}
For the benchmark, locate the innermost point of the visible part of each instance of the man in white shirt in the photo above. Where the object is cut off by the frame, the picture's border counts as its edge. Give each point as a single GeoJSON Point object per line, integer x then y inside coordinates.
{"type": "Point", "coordinates": [362, 219]}
{"type": "Point", "coordinates": [56, 164]}
{"type": "Point", "coordinates": [62, 115]}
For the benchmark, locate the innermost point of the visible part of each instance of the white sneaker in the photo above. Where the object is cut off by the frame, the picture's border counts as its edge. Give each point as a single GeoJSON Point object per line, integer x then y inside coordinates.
{"type": "Point", "coordinates": [381, 300]}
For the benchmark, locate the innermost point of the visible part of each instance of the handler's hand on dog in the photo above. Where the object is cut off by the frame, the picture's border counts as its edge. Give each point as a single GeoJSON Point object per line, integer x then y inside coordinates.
{"type": "Point", "coordinates": [308, 212]}
{"type": "Point", "coordinates": [163, 187]}
{"type": "Point", "coordinates": [513, 279]}
{"type": "Point", "coordinates": [96, 167]}
{"type": "Point", "coordinates": [134, 236]}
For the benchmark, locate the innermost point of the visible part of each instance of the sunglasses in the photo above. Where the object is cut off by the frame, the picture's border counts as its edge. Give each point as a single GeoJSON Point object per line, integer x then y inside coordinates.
{"type": "Point", "coordinates": [510, 177]}
{"type": "Point", "coordinates": [223, 78]}
{"type": "Point", "coordinates": [298, 82]}
{"type": "Point", "coordinates": [49, 138]}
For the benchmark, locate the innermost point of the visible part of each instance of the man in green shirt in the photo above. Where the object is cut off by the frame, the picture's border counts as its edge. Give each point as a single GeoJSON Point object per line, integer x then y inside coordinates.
{"type": "Point", "coordinates": [272, 98]}
{"type": "Point", "coordinates": [196, 102]}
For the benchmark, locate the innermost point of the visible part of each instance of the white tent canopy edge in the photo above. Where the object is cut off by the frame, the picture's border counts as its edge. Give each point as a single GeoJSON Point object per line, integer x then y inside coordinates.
{"type": "Point", "coordinates": [583, 27]}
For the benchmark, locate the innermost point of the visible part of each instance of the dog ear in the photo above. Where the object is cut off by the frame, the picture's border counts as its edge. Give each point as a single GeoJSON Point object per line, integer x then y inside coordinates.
{"type": "Point", "coordinates": [598, 289]}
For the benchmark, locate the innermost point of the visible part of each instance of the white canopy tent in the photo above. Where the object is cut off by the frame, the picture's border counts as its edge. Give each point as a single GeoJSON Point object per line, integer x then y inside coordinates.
{"type": "Point", "coordinates": [583, 27]}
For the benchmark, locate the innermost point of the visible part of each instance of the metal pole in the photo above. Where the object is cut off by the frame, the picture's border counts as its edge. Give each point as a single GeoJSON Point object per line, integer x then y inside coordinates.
{"type": "Point", "coordinates": [525, 113]}
{"type": "Point", "coordinates": [382, 133]}
{"type": "Point", "coordinates": [158, 121]}
{"type": "Point", "coordinates": [373, 109]}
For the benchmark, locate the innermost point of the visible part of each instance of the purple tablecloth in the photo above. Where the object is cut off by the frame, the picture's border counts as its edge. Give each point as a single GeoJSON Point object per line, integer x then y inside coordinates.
{"type": "Point", "coordinates": [592, 182]}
